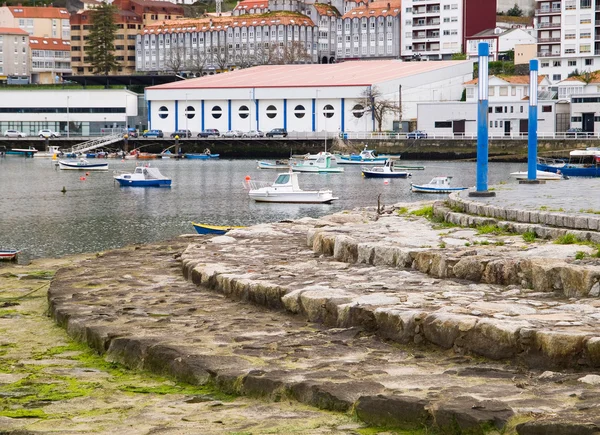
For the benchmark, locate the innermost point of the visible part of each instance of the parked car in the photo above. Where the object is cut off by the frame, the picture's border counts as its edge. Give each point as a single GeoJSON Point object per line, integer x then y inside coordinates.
{"type": "Point", "coordinates": [153, 133]}
{"type": "Point", "coordinates": [577, 132]}
{"type": "Point", "coordinates": [417, 134]}
{"type": "Point", "coordinates": [232, 133]}
{"type": "Point", "coordinates": [131, 132]}
{"type": "Point", "coordinates": [14, 133]}
{"type": "Point", "coordinates": [254, 133]}
{"type": "Point", "coordinates": [46, 133]}
{"type": "Point", "coordinates": [277, 132]}
{"type": "Point", "coordinates": [209, 132]}
{"type": "Point", "coordinates": [181, 133]}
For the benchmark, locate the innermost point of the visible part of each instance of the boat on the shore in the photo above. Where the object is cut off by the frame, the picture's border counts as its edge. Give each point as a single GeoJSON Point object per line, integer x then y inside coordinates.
{"type": "Point", "coordinates": [82, 165]}
{"type": "Point", "coordinates": [582, 163]}
{"type": "Point", "coordinates": [9, 254]}
{"type": "Point", "coordinates": [286, 189]}
{"type": "Point", "coordinates": [540, 175]}
{"type": "Point", "coordinates": [213, 229]}
{"type": "Point", "coordinates": [143, 176]}
{"type": "Point", "coordinates": [385, 171]}
{"type": "Point", "coordinates": [366, 156]}
{"type": "Point", "coordinates": [321, 163]}
{"type": "Point", "coordinates": [436, 185]}
{"type": "Point", "coordinates": [278, 164]}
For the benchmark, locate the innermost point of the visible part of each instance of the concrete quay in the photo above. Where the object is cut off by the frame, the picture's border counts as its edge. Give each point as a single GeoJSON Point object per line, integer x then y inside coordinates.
{"type": "Point", "coordinates": [402, 321]}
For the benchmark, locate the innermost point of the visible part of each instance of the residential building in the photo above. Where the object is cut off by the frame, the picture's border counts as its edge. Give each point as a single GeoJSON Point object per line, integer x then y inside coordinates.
{"type": "Point", "coordinates": [506, 88]}
{"type": "Point", "coordinates": [583, 94]}
{"type": "Point", "coordinates": [524, 23]}
{"type": "Point", "coordinates": [567, 37]}
{"type": "Point", "coordinates": [303, 98]}
{"type": "Point", "coordinates": [208, 45]}
{"type": "Point", "coordinates": [437, 29]}
{"type": "Point", "coordinates": [369, 31]}
{"type": "Point", "coordinates": [43, 22]}
{"type": "Point", "coordinates": [524, 53]}
{"type": "Point", "coordinates": [15, 67]}
{"type": "Point", "coordinates": [500, 41]}
{"type": "Point", "coordinates": [251, 7]}
{"type": "Point", "coordinates": [50, 59]}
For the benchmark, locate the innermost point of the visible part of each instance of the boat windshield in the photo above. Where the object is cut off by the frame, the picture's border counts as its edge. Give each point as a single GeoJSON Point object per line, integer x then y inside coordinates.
{"type": "Point", "coordinates": [283, 179]}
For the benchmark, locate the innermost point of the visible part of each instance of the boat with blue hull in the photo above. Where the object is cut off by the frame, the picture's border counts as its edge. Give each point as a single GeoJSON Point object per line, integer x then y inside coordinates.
{"type": "Point", "coordinates": [143, 176]}
{"type": "Point", "coordinates": [436, 185]}
{"type": "Point", "coordinates": [212, 229]}
{"type": "Point", "coordinates": [582, 163]}
{"type": "Point", "coordinates": [82, 165]}
{"type": "Point", "coordinates": [206, 155]}
{"type": "Point", "coordinates": [366, 156]}
{"type": "Point", "coordinates": [385, 171]}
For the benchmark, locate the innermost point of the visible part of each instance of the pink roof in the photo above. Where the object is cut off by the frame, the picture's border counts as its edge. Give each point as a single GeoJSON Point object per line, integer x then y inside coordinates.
{"type": "Point", "coordinates": [355, 73]}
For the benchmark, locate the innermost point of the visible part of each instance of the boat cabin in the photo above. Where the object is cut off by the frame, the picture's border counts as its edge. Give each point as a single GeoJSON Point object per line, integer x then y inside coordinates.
{"type": "Point", "coordinates": [287, 180]}
{"type": "Point", "coordinates": [440, 181]}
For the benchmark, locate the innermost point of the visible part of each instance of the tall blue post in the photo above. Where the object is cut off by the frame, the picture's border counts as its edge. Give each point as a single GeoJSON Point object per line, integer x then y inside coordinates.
{"type": "Point", "coordinates": [533, 121]}
{"type": "Point", "coordinates": [482, 123]}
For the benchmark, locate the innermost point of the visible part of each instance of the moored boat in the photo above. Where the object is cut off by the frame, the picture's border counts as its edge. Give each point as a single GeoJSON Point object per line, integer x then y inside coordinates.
{"type": "Point", "coordinates": [278, 164]}
{"type": "Point", "coordinates": [27, 152]}
{"type": "Point", "coordinates": [385, 171]}
{"type": "Point", "coordinates": [9, 254]}
{"type": "Point", "coordinates": [82, 165]}
{"type": "Point", "coordinates": [365, 156]}
{"type": "Point", "coordinates": [323, 163]}
{"type": "Point", "coordinates": [143, 176]}
{"type": "Point", "coordinates": [582, 163]}
{"type": "Point", "coordinates": [53, 150]}
{"type": "Point", "coordinates": [286, 189]}
{"type": "Point", "coordinates": [540, 175]}
{"type": "Point", "coordinates": [213, 229]}
{"type": "Point", "coordinates": [436, 185]}
{"type": "Point", "coordinates": [205, 155]}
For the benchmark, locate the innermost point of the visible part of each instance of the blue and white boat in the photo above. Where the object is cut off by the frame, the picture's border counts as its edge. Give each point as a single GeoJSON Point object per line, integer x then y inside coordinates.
{"type": "Point", "coordinates": [206, 155]}
{"type": "Point", "coordinates": [582, 163]}
{"type": "Point", "coordinates": [365, 156]}
{"type": "Point", "coordinates": [317, 163]}
{"type": "Point", "coordinates": [436, 185]}
{"type": "Point", "coordinates": [82, 165]}
{"type": "Point", "coordinates": [143, 176]}
{"type": "Point", "coordinates": [385, 171]}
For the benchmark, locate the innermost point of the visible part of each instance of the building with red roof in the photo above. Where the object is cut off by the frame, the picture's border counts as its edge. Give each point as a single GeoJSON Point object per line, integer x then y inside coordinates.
{"type": "Point", "coordinates": [40, 21]}
{"type": "Point", "coordinates": [14, 68]}
{"type": "Point", "coordinates": [50, 59]}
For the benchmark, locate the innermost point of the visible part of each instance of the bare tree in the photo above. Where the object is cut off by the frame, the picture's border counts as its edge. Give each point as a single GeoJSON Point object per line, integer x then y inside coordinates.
{"type": "Point", "coordinates": [295, 52]}
{"type": "Point", "coordinates": [222, 59]}
{"type": "Point", "coordinates": [243, 59]}
{"type": "Point", "coordinates": [267, 54]}
{"type": "Point", "coordinates": [373, 101]}
{"type": "Point", "coordinates": [197, 63]}
{"type": "Point", "coordinates": [175, 60]}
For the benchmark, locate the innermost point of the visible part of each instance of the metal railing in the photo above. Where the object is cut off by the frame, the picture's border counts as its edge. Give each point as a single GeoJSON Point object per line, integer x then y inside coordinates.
{"type": "Point", "coordinates": [96, 143]}
{"type": "Point", "coordinates": [468, 136]}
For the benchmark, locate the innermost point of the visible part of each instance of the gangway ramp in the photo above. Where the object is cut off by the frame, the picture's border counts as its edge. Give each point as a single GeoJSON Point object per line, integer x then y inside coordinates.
{"type": "Point", "coordinates": [96, 143]}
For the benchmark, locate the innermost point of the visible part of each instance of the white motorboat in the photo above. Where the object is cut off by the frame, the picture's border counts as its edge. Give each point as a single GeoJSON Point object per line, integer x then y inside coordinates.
{"type": "Point", "coordinates": [285, 189]}
{"type": "Point", "coordinates": [143, 176]}
{"type": "Point", "coordinates": [278, 164]}
{"type": "Point", "coordinates": [53, 151]}
{"type": "Point", "coordinates": [385, 171]}
{"type": "Point", "coordinates": [539, 175]}
{"type": "Point", "coordinates": [436, 185]}
{"type": "Point", "coordinates": [365, 156]}
{"type": "Point", "coordinates": [82, 165]}
{"type": "Point", "coordinates": [323, 162]}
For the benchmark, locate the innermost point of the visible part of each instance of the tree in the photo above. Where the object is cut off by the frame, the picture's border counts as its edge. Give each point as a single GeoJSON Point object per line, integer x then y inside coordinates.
{"type": "Point", "coordinates": [459, 56]}
{"type": "Point", "coordinates": [197, 62]}
{"type": "Point", "coordinates": [175, 61]}
{"type": "Point", "coordinates": [221, 59]}
{"type": "Point", "coordinates": [100, 44]}
{"type": "Point", "coordinates": [295, 52]}
{"type": "Point", "coordinates": [374, 102]}
{"type": "Point", "coordinates": [515, 11]}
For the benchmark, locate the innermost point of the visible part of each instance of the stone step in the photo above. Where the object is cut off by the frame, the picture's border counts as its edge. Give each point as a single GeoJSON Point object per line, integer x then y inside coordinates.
{"type": "Point", "coordinates": [269, 265]}
{"type": "Point", "coordinates": [148, 317]}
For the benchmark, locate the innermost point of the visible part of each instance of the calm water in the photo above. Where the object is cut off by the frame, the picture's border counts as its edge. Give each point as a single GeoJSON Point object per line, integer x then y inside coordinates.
{"type": "Point", "coordinates": [96, 214]}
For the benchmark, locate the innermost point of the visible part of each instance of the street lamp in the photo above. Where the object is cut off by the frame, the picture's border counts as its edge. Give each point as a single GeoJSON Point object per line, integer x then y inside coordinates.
{"type": "Point", "coordinates": [186, 114]}
{"type": "Point", "coordinates": [67, 116]}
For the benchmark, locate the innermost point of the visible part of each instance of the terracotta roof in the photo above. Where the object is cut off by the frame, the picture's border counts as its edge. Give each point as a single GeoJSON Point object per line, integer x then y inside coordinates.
{"type": "Point", "coordinates": [514, 20]}
{"type": "Point", "coordinates": [222, 23]}
{"type": "Point", "coordinates": [595, 78]}
{"type": "Point", "coordinates": [376, 9]}
{"type": "Point", "coordinates": [12, 31]}
{"type": "Point", "coordinates": [353, 73]}
{"type": "Point", "coordinates": [329, 10]}
{"type": "Point", "coordinates": [252, 4]}
{"type": "Point", "coordinates": [36, 43]}
{"type": "Point", "coordinates": [515, 80]}
{"type": "Point", "coordinates": [38, 12]}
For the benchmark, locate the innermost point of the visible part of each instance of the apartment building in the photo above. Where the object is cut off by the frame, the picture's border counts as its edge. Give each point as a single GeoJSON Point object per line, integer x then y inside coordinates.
{"type": "Point", "coordinates": [568, 37]}
{"type": "Point", "coordinates": [437, 29]}
{"type": "Point", "coordinates": [43, 22]}
{"type": "Point", "coordinates": [50, 59]}
{"type": "Point", "coordinates": [14, 55]}
{"type": "Point", "coordinates": [500, 41]}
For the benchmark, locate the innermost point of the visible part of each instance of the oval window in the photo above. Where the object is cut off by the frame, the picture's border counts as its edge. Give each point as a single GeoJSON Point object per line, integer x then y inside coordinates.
{"type": "Point", "coordinates": [358, 111]}
{"type": "Point", "coordinates": [328, 111]}
{"type": "Point", "coordinates": [163, 112]}
{"type": "Point", "coordinates": [271, 112]}
{"type": "Point", "coordinates": [244, 112]}
{"type": "Point", "coordinates": [190, 112]}
{"type": "Point", "coordinates": [216, 112]}
{"type": "Point", "coordinates": [299, 111]}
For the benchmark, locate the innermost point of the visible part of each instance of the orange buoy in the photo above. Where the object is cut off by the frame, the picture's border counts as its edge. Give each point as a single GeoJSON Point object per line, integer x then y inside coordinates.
{"type": "Point", "coordinates": [247, 177]}
{"type": "Point", "coordinates": [386, 182]}
{"type": "Point", "coordinates": [82, 178]}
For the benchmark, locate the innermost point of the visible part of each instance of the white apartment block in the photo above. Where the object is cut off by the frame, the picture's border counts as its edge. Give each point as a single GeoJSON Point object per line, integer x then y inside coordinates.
{"type": "Point", "coordinates": [566, 32]}
{"type": "Point", "coordinates": [433, 31]}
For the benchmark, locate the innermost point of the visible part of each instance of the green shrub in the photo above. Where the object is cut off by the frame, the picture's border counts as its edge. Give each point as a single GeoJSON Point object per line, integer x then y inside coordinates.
{"type": "Point", "coordinates": [529, 236]}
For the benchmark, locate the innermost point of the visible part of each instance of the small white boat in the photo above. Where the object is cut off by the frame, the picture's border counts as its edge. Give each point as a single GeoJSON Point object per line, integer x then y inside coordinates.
{"type": "Point", "coordinates": [278, 164]}
{"type": "Point", "coordinates": [285, 189]}
{"type": "Point", "coordinates": [365, 156]}
{"type": "Point", "coordinates": [436, 185]}
{"type": "Point", "coordinates": [83, 165]}
{"type": "Point", "coordinates": [322, 163]}
{"type": "Point", "coordinates": [539, 175]}
{"type": "Point", "coordinates": [385, 171]}
{"type": "Point", "coordinates": [143, 176]}
{"type": "Point", "coordinates": [53, 150]}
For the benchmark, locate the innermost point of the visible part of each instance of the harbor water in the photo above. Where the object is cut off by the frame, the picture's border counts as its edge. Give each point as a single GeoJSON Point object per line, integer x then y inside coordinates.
{"type": "Point", "coordinates": [47, 212]}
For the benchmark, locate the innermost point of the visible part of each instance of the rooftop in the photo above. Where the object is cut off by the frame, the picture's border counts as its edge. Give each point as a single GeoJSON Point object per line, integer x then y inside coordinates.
{"type": "Point", "coordinates": [376, 9]}
{"type": "Point", "coordinates": [515, 80]}
{"type": "Point", "coordinates": [12, 31]}
{"type": "Point", "coordinates": [38, 12]}
{"type": "Point", "coordinates": [252, 4]}
{"type": "Point", "coordinates": [36, 43]}
{"type": "Point", "coordinates": [355, 73]}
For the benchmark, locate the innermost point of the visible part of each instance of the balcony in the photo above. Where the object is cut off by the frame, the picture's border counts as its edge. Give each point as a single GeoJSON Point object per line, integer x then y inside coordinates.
{"type": "Point", "coordinates": [431, 23]}
{"type": "Point", "coordinates": [547, 40]}
{"type": "Point", "coordinates": [547, 11]}
{"type": "Point", "coordinates": [547, 54]}
{"type": "Point", "coordinates": [430, 11]}
{"type": "Point", "coordinates": [547, 25]}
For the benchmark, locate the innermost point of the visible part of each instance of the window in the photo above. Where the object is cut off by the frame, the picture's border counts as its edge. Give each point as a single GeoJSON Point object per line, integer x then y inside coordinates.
{"type": "Point", "coordinates": [190, 112]}
{"type": "Point", "coordinates": [299, 111]}
{"type": "Point", "coordinates": [244, 112]}
{"type": "Point", "coordinates": [556, 63]}
{"type": "Point", "coordinates": [358, 111]}
{"type": "Point", "coordinates": [328, 111]}
{"type": "Point", "coordinates": [556, 77]}
{"type": "Point", "coordinates": [572, 63]}
{"type": "Point", "coordinates": [498, 109]}
{"type": "Point", "coordinates": [546, 109]}
{"type": "Point", "coordinates": [521, 109]}
{"type": "Point", "coordinates": [443, 124]}
{"type": "Point", "coordinates": [589, 62]}
{"type": "Point", "coordinates": [271, 111]}
{"type": "Point", "coordinates": [163, 112]}
{"type": "Point", "coordinates": [491, 91]}
{"type": "Point", "coordinates": [216, 112]}
{"type": "Point", "coordinates": [503, 91]}
{"type": "Point", "coordinates": [545, 64]}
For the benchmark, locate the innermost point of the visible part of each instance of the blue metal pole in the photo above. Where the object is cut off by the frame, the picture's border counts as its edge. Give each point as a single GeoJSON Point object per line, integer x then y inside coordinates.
{"type": "Point", "coordinates": [532, 137]}
{"type": "Point", "coordinates": [482, 118]}
{"type": "Point", "coordinates": [176, 115]}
